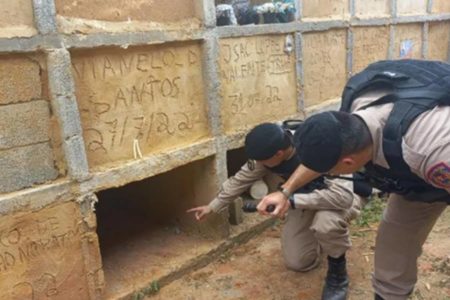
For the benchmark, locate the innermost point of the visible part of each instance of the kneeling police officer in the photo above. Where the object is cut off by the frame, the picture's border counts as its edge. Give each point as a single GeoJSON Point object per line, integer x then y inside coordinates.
{"type": "Point", "coordinates": [319, 214]}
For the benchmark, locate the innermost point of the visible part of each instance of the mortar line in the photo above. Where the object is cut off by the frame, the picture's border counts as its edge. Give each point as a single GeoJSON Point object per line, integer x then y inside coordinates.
{"type": "Point", "coordinates": [211, 49]}
{"type": "Point", "coordinates": [26, 145]}
{"type": "Point", "coordinates": [210, 72]}
{"type": "Point", "coordinates": [349, 48]}
{"type": "Point", "coordinates": [65, 107]}
{"type": "Point", "coordinates": [391, 48]}
{"type": "Point", "coordinates": [23, 102]}
{"type": "Point", "coordinates": [393, 9]}
{"type": "Point", "coordinates": [299, 13]}
{"type": "Point", "coordinates": [29, 44]}
{"type": "Point", "coordinates": [429, 6]}
{"type": "Point", "coordinates": [209, 13]}
{"type": "Point", "coordinates": [425, 32]}
{"type": "Point", "coordinates": [352, 8]}
{"type": "Point", "coordinates": [299, 43]}
{"type": "Point", "coordinates": [44, 12]}
{"type": "Point", "coordinates": [448, 50]}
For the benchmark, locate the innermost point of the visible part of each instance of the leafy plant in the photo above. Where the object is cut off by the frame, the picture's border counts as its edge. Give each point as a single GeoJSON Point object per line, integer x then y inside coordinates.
{"type": "Point", "coordinates": [372, 212]}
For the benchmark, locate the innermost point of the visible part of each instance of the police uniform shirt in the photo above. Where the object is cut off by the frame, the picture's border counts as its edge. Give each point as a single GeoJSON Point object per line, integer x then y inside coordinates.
{"type": "Point", "coordinates": [425, 146]}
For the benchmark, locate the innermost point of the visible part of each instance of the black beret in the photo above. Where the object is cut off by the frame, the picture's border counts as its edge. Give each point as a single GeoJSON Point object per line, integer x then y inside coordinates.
{"type": "Point", "coordinates": [318, 142]}
{"type": "Point", "coordinates": [263, 141]}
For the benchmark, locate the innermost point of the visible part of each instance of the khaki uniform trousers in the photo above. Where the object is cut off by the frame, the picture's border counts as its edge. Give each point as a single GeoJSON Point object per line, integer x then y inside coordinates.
{"type": "Point", "coordinates": [307, 233]}
{"type": "Point", "coordinates": [402, 232]}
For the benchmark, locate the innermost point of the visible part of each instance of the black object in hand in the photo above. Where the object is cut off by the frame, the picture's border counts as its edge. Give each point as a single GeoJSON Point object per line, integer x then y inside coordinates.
{"type": "Point", "coordinates": [251, 207]}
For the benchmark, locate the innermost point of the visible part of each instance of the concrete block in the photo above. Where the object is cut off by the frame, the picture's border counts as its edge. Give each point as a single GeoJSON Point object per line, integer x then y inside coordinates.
{"type": "Point", "coordinates": [324, 61]}
{"type": "Point", "coordinates": [41, 255]}
{"type": "Point", "coordinates": [139, 101]}
{"type": "Point", "coordinates": [258, 80]}
{"type": "Point", "coordinates": [408, 41]}
{"type": "Point", "coordinates": [135, 10]}
{"type": "Point", "coordinates": [440, 6]}
{"type": "Point", "coordinates": [236, 216]}
{"type": "Point", "coordinates": [25, 166]}
{"type": "Point", "coordinates": [16, 19]}
{"type": "Point", "coordinates": [325, 9]}
{"type": "Point", "coordinates": [24, 124]}
{"type": "Point", "coordinates": [373, 8]}
{"type": "Point", "coordinates": [411, 7]}
{"type": "Point", "coordinates": [19, 78]}
{"type": "Point", "coordinates": [117, 16]}
{"type": "Point", "coordinates": [369, 45]}
{"type": "Point", "coordinates": [438, 40]}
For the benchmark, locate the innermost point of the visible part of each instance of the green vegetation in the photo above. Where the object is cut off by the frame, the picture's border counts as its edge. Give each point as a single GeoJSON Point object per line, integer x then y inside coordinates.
{"type": "Point", "coordinates": [153, 288]}
{"type": "Point", "coordinates": [372, 212]}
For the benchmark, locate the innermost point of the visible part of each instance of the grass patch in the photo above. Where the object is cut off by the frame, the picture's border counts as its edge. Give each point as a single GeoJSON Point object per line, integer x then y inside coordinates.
{"type": "Point", "coordinates": [152, 289]}
{"type": "Point", "coordinates": [372, 212]}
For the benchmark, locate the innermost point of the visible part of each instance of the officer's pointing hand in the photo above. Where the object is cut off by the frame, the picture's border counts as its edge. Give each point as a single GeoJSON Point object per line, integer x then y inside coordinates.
{"type": "Point", "coordinates": [200, 212]}
{"type": "Point", "coordinates": [279, 200]}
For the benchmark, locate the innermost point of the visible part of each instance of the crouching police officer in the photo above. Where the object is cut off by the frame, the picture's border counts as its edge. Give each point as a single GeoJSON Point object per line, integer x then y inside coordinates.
{"type": "Point", "coordinates": [320, 211]}
{"type": "Point", "coordinates": [394, 123]}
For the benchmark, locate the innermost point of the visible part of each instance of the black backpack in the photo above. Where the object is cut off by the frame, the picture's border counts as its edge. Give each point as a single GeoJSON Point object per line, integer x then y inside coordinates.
{"type": "Point", "coordinates": [417, 86]}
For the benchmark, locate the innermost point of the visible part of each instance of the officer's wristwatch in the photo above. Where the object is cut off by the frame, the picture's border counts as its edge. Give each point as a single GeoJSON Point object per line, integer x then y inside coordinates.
{"type": "Point", "coordinates": [289, 196]}
{"type": "Point", "coordinates": [284, 191]}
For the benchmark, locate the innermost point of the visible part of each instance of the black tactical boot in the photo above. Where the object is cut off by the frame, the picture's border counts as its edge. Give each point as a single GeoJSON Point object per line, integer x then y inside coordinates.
{"type": "Point", "coordinates": [378, 297]}
{"type": "Point", "coordinates": [336, 283]}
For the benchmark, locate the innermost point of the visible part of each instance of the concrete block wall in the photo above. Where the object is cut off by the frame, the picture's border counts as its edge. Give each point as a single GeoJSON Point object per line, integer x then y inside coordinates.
{"type": "Point", "coordinates": [98, 96]}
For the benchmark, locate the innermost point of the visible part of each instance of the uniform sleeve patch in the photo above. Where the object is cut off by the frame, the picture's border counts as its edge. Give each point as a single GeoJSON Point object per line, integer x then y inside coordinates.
{"type": "Point", "coordinates": [439, 175]}
{"type": "Point", "coordinates": [251, 164]}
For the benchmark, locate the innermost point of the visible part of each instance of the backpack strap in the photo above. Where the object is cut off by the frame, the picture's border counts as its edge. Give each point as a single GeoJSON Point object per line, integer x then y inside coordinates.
{"type": "Point", "coordinates": [402, 115]}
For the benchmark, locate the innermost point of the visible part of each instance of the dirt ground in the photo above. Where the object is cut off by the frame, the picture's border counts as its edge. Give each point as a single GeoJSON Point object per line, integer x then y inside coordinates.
{"type": "Point", "coordinates": [255, 270]}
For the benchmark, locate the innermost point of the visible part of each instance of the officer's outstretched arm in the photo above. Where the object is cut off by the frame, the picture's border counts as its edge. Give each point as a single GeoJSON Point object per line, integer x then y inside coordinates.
{"type": "Point", "coordinates": [232, 188]}
{"type": "Point", "coordinates": [338, 195]}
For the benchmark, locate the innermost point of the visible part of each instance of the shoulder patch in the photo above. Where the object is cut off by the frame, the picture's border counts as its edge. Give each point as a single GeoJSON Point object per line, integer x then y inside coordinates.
{"type": "Point", "coordinates": [439, 175]}
{"type": "Point", "coordinates": [251, 164]}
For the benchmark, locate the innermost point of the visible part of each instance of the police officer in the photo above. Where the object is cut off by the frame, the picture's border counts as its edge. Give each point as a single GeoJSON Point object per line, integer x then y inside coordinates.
{"type": "Point", "coordinates": [343, 142]}
{"type": "Point", "coordinates": [320, 211]}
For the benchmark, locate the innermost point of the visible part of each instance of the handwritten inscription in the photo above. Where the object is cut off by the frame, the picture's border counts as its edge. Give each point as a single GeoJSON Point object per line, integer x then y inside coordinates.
{"type": "Point", "coordinates": [324, 57]}
{"type": "Point", "coordinates": [40, 254]}
{"type": "Point", "coordinates": [114, 65]}
{"type": "Point", "coordinates": [25, 242]}
{"type": "Point", "coordinates": [241, 103]}
{"type": "Point", "coordinates": [45, 286]}
{"type": "Point", "coordinates": [254, 57]}
{"type": "Point", "coordinates": [258, 79]}
{"type": "Point", "coordinates": [140, 127]}
{"type": "Point", "coordinates": [153, 96]}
